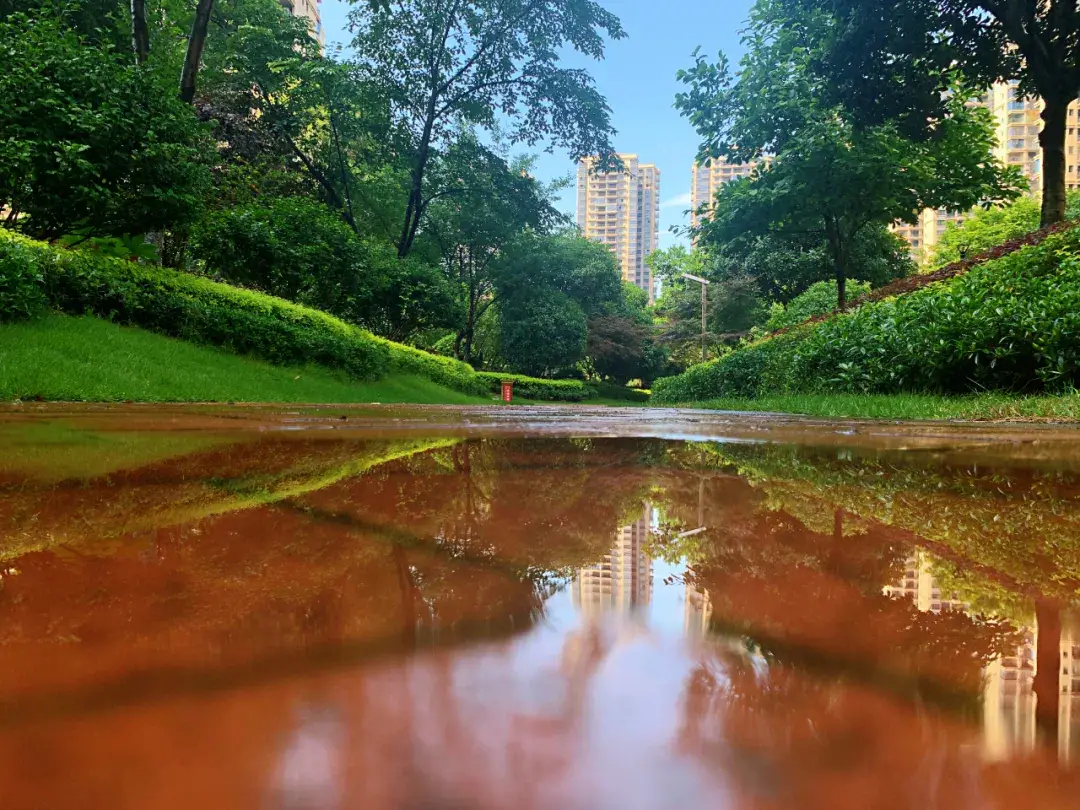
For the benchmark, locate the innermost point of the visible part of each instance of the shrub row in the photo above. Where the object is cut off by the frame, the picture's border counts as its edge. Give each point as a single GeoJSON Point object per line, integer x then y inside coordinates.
{"type": "Point", "coordinates": [22, 293]}
{"type": "Point", "coordinates": [958, 268]}
{"type": "Point", "coordinates": [535, 388]}
{"type": "Point", "coordinates": [1011, 323]}
{"type": "Point", "coordinates": [34, 275]}
{"type": "Point", "coordinates": [611, 390]}
{"type": "Point", "coordinates": [761, 367]}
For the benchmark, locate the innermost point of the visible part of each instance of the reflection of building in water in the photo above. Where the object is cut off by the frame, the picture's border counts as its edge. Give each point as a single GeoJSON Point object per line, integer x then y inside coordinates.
{"type": "Point", "coordinates": [1009, 700]}
{"type": "Point", "coordinates": [623, 578]}
{"type": "Point", "coordinates": [1069, 679]}
{"type": "Point", "coordinates": [919, 586]}
{"type": "Point", "coordinates": [698, 611]}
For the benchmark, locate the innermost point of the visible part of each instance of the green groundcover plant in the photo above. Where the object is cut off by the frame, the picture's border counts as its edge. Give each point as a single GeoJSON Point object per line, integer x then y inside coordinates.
{"type": "Point", "coordinates": [34, 275]}
{"type": "Point", "coordinates": [1012, 324]}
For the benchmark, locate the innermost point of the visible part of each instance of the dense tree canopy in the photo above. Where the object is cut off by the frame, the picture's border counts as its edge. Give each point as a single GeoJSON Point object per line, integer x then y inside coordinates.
{"type": "Point", "coordinates": [377, 185]}
{"type": "Point", "coordinates": [88, 141]}
{"type": "Point", "coordinates": [897, 61]}
{"type": "Point", "coordinates": [828, 177]}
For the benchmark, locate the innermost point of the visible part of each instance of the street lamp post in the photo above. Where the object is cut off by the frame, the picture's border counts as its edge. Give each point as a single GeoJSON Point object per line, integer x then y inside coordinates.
{"type": "Point", "coordinates": [704, 282]}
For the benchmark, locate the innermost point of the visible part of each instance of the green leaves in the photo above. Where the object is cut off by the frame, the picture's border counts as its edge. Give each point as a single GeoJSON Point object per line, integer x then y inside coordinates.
{"type": "Point", "coordinates": [22, 284]}
{"type": "Point", "coordinates": [88, 140]}
{"type": "Point", "coordinates": [484, 64]}
{"type": "Point", "coordinates": [1012, 323]}
{"type": "Point", "coordinates": [819, 299]}
{"type": "Point", "coordinates": [825, 176]}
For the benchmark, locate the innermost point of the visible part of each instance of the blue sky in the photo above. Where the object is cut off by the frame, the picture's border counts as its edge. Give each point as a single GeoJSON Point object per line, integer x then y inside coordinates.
{"type": "Point", "coordinates": [638, 79]}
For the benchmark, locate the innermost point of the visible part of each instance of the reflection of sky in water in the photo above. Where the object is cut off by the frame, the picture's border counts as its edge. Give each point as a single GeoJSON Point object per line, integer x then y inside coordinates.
{"type": "Point", "coordinates": [584, 710]}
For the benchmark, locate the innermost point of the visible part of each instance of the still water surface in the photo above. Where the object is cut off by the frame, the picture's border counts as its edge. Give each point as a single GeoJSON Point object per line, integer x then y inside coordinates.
{"type": "Point", "coordinates": [549, 608]}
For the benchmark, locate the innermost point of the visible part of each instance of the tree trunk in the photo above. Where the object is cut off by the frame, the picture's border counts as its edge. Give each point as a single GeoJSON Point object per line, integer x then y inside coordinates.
{"type": "Point", "coordinates": [140, 34]}
{"type": "Point", "coordinates": [1047, 665]}
{"type": "Point", "coordinates": [466, 350]}
{"type": "Point", "coordinates": [839, 256]}
{"type": "Point", "coordinates": [407, 587]}
{"type": "Point", "coordinates": [416, 194]}
{"type": "Point", "coordinates": [1052, 139]}
{"type": "Point", "coordinates": [332, 196]}
{"type": "Point", "coordinates": [196, 43]}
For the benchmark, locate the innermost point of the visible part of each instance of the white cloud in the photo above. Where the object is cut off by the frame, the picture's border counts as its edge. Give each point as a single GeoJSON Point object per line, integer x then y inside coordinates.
{"type": "Point", "coordinates": [682, 201]}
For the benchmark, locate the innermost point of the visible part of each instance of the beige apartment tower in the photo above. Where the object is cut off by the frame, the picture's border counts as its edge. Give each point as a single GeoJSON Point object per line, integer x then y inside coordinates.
{"type": "Point", "coordinates": [622, 211]}
{"type": "Point", "coordinates": [310, 10]}
{"type": "Point", "coordinates": [708, 180]}
{"type": "Point", "coordinates": [622, 580]}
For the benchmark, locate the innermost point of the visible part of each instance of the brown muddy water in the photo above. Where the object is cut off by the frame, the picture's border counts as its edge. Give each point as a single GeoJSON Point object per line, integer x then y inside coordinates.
{"type": "Point", "coordinates": [438, 608]}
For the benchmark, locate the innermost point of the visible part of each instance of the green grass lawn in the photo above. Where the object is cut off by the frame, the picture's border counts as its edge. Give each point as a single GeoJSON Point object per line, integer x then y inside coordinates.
{"type": "Point", "coordinates": [990, 406]}
{"type": "Point", "coordinates": [87, 359]}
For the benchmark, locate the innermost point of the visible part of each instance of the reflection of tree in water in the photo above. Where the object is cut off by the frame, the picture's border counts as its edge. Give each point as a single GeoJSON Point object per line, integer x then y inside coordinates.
{"type": "Point", "coordinates": [1006, 542]}
{"type": "Point", "coordinates": [1022, 524]}
{"type": "Point", "coordinates": [789, 739]}
{"type": "Point", "coordinates": [486, 530]}
{"type": "Point", "coordinates": [820, 598]}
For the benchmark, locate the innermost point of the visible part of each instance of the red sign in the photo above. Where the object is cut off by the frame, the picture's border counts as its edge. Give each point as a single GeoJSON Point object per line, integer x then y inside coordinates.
{"type": "Point", "coordinates": [508, 391]}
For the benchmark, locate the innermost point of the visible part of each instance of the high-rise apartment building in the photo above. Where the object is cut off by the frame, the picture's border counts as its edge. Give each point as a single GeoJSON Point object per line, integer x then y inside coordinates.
{"type": "Point", "coordinates": [622, 210]}
{"type": "Point", "coordinates": [1009, 699]}
{"type": "Point", "coordinates": [707, 180]}
{"type": "Point", "coordinates": [310, 10]}
{"type": "Point", "coordinates": [1017, 123]}
{"type": "Point", "coordinates": [622, 580]}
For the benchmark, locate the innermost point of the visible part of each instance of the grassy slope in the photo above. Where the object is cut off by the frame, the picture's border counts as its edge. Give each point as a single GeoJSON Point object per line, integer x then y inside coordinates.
{"type": "Point", "coordinates": [990, 406]}
{"type": "Point", "coordinates": [65, 358]}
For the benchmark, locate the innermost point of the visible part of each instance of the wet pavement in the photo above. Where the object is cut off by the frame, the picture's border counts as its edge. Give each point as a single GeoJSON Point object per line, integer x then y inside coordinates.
{"type": "Point", "coordinates": [432, 608]}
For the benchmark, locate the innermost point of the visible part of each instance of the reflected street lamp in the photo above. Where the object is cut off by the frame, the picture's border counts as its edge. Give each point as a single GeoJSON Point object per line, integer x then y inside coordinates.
{"type": "Point", "coordinates": [704, 282]}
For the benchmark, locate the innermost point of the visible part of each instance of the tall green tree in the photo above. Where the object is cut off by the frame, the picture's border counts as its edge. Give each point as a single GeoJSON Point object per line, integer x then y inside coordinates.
{"type": "Point", "coordinates": [896, 61]}
{"type": "Point", "coordinates": [542, 334]}
{"type": "Point", "coordinates": [485, 204]}
{"type": "Point", "coordinates": [548, 288]}
{"type": "Point", "coordinates": [622, 342]}
{"type": "Point", "coordinates": [446, 62]}
{"type": "Point", "coordinates": [828, 178]}
{"type": "Point", "coordinates": [734, 302]}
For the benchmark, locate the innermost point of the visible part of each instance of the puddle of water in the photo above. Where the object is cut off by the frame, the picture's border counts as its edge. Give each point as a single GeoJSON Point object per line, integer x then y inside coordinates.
{"type": "Point", "coordinates": [527, 608]}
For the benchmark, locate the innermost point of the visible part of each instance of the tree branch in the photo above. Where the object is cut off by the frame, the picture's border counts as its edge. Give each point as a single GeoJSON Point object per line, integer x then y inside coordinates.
{"type": "Point", "coordinates": [484, 45]}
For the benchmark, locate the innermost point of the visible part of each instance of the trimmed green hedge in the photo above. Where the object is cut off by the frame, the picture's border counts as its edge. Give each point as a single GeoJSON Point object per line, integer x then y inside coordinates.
{"type": "Point", "coordinates": [535, 388]}
{"type": "Point", "coordinates": [611, 390]}
{"type": "Point", "coordinates": [206, 312]}
{"type": "Point", "coordinates": [443, 370]}
{"type": "Point", "coordinates": [1012, 323]}
{"type": "Point", "coordinates": [758, 368]}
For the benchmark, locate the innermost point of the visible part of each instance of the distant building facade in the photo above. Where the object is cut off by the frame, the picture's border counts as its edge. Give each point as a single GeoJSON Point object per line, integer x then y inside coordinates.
{"type": "Point", "coordinates": [622, 211]}
{"type": "Point", "coordinates": [310, 10]}
{"type": "Point", "coordinates": [708, 180]}
{"type": "Point", "coordinates": [622, 580]}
